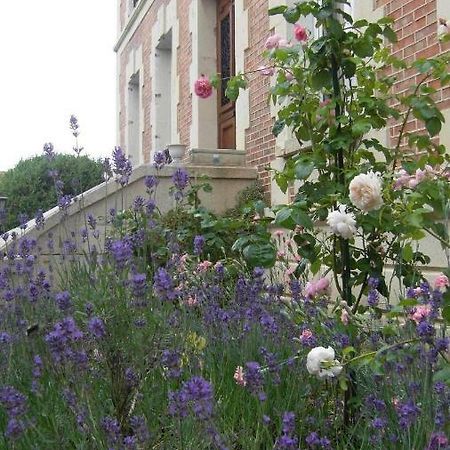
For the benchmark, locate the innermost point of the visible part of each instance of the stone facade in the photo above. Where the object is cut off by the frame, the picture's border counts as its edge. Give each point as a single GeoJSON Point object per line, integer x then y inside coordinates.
{"type": "Point", "coordinates": [164, 46]}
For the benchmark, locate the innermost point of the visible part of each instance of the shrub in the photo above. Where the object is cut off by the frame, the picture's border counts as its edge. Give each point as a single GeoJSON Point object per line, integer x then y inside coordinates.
{"type": "Point", "coordinates": [30, 187]}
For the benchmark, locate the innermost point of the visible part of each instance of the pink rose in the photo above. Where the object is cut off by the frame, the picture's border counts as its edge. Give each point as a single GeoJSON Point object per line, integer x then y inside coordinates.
{"type": "Point", "coordinates": [191, 301]}
{"type": "Point", "coordinates": [323, 284]}
{"type": "Point", "coordinates": [300, 33]}
{"type": "Point", "coordinates": [413, 182]}
{"type": "Point", "coordinates": [204, 266]}
{"type": "Point", "coordinates": [203, 87]}
{"type": "Point", "coordinates": [319, 287]}
{"type": "Point", "coordinates": [345, 318]}
{"type": "Point", "coordinates": [420, 313]}
{"type": "Point", "coordinates": [273, 41]}
{"type": "Point", "coordinates": [441, 281]}
{"type": "Point", "coordinates": [239, 376]}
{"type": "Point", "coordinates": [307, 337]}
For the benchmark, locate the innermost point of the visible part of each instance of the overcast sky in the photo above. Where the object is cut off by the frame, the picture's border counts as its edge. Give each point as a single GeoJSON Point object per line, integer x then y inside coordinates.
{"type": "Point", "coordinates": [57, 59]}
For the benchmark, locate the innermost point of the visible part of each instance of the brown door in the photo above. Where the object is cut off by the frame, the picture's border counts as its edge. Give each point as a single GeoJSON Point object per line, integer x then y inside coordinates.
{"type": "Point", "coordinates": [226, 117]}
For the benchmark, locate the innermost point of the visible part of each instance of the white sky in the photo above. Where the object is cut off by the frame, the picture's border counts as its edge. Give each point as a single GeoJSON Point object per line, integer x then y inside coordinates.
{"type": "Point", "coordinates": [57, 59]}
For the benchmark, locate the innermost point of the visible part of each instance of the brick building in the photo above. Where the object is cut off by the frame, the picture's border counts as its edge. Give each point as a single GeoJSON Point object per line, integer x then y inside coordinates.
{"type": "Point", "coordinates": [164, 45]}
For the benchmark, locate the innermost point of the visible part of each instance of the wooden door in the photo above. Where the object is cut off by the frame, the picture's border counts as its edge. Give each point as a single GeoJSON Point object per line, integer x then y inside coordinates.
{"type": "Point", "coordinates": [226, 116]}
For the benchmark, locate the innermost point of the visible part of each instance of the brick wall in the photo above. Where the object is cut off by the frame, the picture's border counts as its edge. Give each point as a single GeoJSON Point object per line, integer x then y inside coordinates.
{"type": "Point", "coordinates": [142, 38]}
{"type": "Point", "coordinates": [259, 141]}
{"type": "Point", "coordinates": [415, 22]}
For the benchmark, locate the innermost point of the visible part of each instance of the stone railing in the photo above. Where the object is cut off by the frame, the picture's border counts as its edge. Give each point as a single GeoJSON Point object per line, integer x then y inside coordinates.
{"type": "Point", "coordinates": [226, 183]}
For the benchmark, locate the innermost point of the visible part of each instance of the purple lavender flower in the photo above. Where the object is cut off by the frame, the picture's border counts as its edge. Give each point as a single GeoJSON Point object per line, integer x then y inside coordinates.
{"type": "Point", "coordinates": [373, 295]}
{"type": "Point", "coordinates": [39, 219]}
{"type": "Point", "coordinates": [138, 203]}
{"type": "Point", "coordinates": [150, 182]}
{"type": "Point", "coordinates": [130, 442]}
{"type": "Point", "coordinates": [37, 373]}
{"type": "Point", "coordinates": [438, 441]}
{"type": "Point", "coordinates": [62, 339]}
{"type": "Point", "coordinates": [14, 428]}
{"type": "Point", "coordinates": [312, 439]}
{"type": "Point", "coordinates": [91, 221]}
{"type": "Point", "coordinates": [196, 396]}
{"type": "Point", "coordinates": [122, 166]}
{"type": "Point", "coordinates": [73, 125]}
{"type": "Point", "coordinates": [140, 429]}
{"type": "Point", "coordinates": [266, 419]}
{"type": "Point", "coordinates": [199, 242]}
{"type": "Point", "coordinates": [407, 413]}
{"type": "Point", "coordinates": [64, 202]}
{"type": "Point", "coordinates": [379, 423]}
{"type": "Point", "coordinates": [111, 428]}
{"type": "Point", "coordinates": [288, 423]}
{"type": "Point", "coordinates": [254, 379]}
{"type": "Point", "coordinates": [131, 378]}
{"type": "Point", "coordinates": [139, 284]}
{"type": "Point", "coordinates": [63, 300]}
{"type": "Point", "coordinates": [159, 160]}
{"type": "Point", "coordinates": [425, 330]}
{"type": "Point", "coordinates": [180, 179]}
{"type": "Point", "coordinates": [14, 402]}
{"type": "Point", "coordinates": [150, 207]}
{"type": "Point", "coordinates": [107, 169]}
{"type": "Point", "coordinates": [97, 327]}
{"type": "Point", "coordinates": [5, 338]}
{"type": "Point", "coordinates": [163, 285]}
{"type": "Point", "coordinates": [49, 151]}
{"type": "Point", "coordinates": [121, 251]}
{"type": "Point", "coordinates": [286, 442]}
{"type": "Point", "coordinates": [171, 361]}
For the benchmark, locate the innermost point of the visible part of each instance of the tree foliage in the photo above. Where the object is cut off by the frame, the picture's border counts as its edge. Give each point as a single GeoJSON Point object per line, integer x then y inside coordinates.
{"type": "Point", "coordinates": [29, 186]}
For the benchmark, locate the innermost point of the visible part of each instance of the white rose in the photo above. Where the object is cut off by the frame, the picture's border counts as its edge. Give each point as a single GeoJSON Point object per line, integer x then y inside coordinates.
{"type": "Point", "coordinates": [341, 223]}
{"type": "Point", "coordinates": [365, 191]}
{"type": "Point", "coordinates": [320, 362]}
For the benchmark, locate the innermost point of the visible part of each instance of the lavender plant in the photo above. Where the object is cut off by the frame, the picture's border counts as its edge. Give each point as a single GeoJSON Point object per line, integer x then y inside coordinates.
{"type": "Point", "coordinates": [138, 348]}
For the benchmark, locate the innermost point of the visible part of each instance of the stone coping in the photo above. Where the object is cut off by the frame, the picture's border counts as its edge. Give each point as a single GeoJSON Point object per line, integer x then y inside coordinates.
{"type": "Point", "coordinates": [98, 193]}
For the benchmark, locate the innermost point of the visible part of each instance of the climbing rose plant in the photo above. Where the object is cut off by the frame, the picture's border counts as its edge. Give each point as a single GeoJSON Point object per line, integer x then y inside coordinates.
{"type": "Point", "coordinates": [379, 199]}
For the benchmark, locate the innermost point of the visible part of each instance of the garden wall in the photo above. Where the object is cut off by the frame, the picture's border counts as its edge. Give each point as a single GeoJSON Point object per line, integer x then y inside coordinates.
{"type": "Point", "coordinates": [226, 182]}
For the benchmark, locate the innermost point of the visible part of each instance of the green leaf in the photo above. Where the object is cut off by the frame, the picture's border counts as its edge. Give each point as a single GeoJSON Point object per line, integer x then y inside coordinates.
{"type": "Point", "coordinates": [446, 313]}
{"type": "Point", "coordinates": [301, 218]}
{"type": "Point", "coordinates": [361, 127]}
{"type": "Point", "coordinates": [433, 126]}
{"type": "Point", "coordinates": [360, 23]}
{"type": "Point", "coordinates": [260, 255]}
{"type": "Point", "coordinates": [282, 216]}
{"type": "Point", "coordinates": [363, 48]}
{"type": "Point", "coordinates": [349, 68]}
{"type": "Point", "coordinates": [390, 34]}
{"type": "Point", "coordinates": [277, 10]}
{"type": "Point", "coordinates": [321, 79]}
{"type": "Point", "coordinates": [278, 127]}
{"type": "Point", "coordinates": [343, 384]}
{"type": "Point", "coordinates": [315, 266]}
{"type": "Point", "coordinates": [303, 168]}
{"type": "Point", "coordinates": [407, 253]}
{"type": "Point", "coordinates": [291, 14]}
